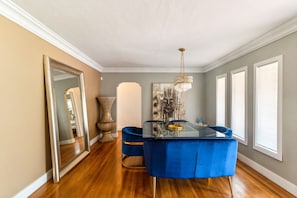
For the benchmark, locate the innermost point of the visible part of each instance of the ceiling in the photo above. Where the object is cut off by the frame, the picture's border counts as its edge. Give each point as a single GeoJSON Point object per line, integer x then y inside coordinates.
{"type": "Point", "coordinates": [144, 35]}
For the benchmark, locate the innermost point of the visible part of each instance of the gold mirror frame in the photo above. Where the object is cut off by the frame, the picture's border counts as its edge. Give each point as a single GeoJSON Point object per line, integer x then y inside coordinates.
{"type": "Point", "coordinates": [51, 65]}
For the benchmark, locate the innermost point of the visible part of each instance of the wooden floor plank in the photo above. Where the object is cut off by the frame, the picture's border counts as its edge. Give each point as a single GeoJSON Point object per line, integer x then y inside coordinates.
{"type": "Point", "coordinates": [102, 175]}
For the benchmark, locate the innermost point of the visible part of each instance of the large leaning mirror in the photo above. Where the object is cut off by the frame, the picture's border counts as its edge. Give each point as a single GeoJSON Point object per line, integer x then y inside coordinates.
{"type": "Point", "coordinates": [67, 114]}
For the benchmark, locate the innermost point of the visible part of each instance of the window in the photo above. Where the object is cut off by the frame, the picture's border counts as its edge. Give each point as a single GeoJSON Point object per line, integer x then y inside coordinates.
{"type": "Point", "coordinates": [239, 104]}
{"type": "Point", "coordinates": [268, 107]}
{"type": "Point", "coordinates": [221, 100]}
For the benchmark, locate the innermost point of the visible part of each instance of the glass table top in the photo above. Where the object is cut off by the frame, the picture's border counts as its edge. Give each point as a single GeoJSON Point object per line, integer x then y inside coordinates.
{"type": "Point", "coordinates": [179, 130]}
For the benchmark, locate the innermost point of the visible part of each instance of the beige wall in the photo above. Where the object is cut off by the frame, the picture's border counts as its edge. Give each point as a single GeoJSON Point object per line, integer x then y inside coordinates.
{"type": "Point", "coordinates": [24, 147]}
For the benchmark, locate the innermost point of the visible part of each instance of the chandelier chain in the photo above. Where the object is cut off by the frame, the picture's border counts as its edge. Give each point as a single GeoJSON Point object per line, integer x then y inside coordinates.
{"type": "Point", "coordinates": [182, 64]}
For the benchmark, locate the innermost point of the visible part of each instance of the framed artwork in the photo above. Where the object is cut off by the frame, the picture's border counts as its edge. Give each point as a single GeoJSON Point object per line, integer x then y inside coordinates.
{"type": "Point", "coordinates": [168, 104]}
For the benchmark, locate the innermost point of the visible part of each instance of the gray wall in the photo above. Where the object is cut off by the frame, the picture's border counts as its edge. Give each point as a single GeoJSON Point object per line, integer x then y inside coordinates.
{"type": "Point", "coordinates": [288, 47]}
{"type": "Point", "coordinates": [194, 98]}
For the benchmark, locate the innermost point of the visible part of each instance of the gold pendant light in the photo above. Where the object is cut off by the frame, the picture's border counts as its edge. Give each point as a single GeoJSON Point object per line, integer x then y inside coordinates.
{"type": "Point", "coordinates": [183, 82]}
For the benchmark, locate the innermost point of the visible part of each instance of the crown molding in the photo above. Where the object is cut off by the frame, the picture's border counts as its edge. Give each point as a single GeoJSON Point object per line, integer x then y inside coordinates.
{"type": "Point", "coordinates": [275, 34]}
{"type": "Point", "coordinates": [16, 14]}
{"type": "Point", "coordinates": [150, 70]}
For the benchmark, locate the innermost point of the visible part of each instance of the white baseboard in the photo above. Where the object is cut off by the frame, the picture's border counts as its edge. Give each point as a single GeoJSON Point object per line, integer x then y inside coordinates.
{"type": "Point", "coordinates": [115, 134]}
{"type": "Point", "coordinates": [35, 185]}
{"type": "Point", "coordinates": [31, 188]}
{"type": "Point", "coordinates": [290, 187]}
{"type": "Point", "coordinates": [94, 140]}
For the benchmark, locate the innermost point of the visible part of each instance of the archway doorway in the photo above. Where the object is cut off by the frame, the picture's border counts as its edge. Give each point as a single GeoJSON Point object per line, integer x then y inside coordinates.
{"type": "Point", "coordinates": [128, 105]}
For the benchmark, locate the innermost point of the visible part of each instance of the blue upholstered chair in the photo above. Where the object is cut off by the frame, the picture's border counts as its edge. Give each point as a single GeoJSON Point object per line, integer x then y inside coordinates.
{"type": "Point", "coordinates": [222, 129]}
{"type": "Point", "coordinates": [132, 144]}
{"type": "Point", "coordinates": [190, 158]}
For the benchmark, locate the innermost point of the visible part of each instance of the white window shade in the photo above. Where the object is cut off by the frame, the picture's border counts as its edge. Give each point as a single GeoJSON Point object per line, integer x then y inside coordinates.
{"type": "Point", "coordinates": [221, 100]}
{"type": "Point", "coordinates": [238, 104]}
{"type": "Point", "coordinates": [267, 107]}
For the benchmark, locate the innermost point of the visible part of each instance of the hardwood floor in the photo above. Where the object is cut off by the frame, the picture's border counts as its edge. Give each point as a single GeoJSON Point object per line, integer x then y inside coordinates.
{"type": "Point", "coordinates": [102, 175]}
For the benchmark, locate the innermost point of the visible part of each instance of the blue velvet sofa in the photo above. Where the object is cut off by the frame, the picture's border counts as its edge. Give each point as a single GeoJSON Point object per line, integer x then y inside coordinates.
{"type": "Point", "coordinates": [190, 158]}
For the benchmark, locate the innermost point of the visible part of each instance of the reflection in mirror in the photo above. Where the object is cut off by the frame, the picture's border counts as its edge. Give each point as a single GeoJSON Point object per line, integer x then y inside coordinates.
{"type": "Point", "coordinates": [67, 116]}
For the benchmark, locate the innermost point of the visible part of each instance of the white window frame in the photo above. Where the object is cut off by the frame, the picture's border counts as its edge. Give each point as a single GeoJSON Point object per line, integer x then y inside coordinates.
{"type": "Point", "coordinates": [225, 107]}
{"type": "Point", "coordinates": [278, 154]}
{"type": "Point", "coordinates": [244, 69]}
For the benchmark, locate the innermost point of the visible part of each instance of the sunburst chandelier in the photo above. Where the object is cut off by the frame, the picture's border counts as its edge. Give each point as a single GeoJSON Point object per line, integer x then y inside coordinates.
{"type": "Point", "coordinates": [183, 82]}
